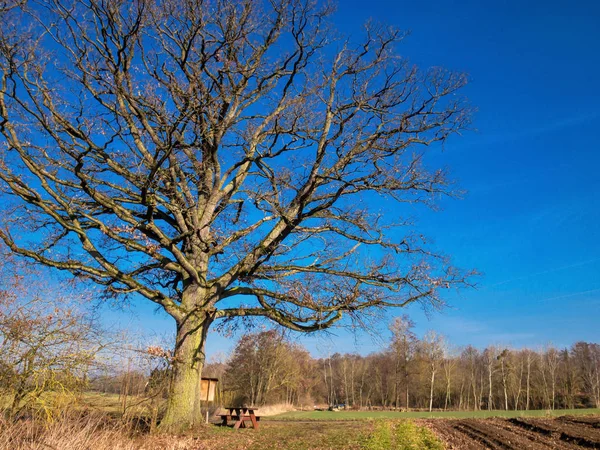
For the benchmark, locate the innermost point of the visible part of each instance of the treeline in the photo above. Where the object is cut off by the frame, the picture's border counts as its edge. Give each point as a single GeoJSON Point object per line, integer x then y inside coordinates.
{"type": "Point", "coordinates": [410, 373]}
{"type": "Point", "coordinates": [49, 344]}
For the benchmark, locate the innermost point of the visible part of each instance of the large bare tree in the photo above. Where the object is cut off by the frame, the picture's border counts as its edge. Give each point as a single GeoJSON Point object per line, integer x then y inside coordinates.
{"type": "Point", "coordinates": [221, 158]}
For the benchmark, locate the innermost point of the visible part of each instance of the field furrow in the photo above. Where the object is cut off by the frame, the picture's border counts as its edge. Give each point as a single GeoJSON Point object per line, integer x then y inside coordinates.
{"type": "Point", "coordinates": [564, 433]}
{"type": "Point", "coordinates": [578, 434]}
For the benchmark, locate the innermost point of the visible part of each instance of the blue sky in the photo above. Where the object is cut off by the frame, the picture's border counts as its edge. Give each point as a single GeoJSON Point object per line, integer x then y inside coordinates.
{"type": "Point", "coordinates": [530, 219]}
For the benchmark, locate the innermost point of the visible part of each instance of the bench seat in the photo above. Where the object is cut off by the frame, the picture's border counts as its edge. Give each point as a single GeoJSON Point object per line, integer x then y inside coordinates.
{"type": "Point", "coordinates": [236, 417]}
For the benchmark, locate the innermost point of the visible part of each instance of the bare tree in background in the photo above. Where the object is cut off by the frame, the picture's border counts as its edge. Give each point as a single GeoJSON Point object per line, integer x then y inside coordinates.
{"type": "Point", "coordinates": [449, 364]}
{"type": "Point", "coordinates": [47, 343]}
{"type": "Point", "coordinates": [403, 347]}
{"type": "Point", "coordinates": [587, 359]}
{"type": "Point", "coordinates": [221, 159]}
{"type": "Point", "coordinates": [529, 358]}
{"type": "Point", "coordinates": [505, 370]}
{"type": "Point", "coordinates": [490, 356]}
{"type": "Point", "coordinates": [434, 348]}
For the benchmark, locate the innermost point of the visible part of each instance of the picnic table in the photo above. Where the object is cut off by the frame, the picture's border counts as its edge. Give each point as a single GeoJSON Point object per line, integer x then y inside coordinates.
{"type": "Point", "coordinates": [241, 415]}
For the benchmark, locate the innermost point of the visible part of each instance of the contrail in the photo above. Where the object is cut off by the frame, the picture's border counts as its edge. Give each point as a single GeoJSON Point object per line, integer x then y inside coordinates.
{"type": "Point", "coordinates": [557, 269]}
{"type": "Point", "coordinates": [568, 295]}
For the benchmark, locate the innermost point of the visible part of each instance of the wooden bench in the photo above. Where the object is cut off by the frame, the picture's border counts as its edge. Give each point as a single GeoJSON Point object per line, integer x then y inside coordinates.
{"type": "Point", "coordinates": [241, 415]}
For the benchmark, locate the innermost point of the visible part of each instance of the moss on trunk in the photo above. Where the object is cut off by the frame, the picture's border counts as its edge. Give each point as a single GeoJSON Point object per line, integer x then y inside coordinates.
{"type": "Point", "coordinates": [183, 406]}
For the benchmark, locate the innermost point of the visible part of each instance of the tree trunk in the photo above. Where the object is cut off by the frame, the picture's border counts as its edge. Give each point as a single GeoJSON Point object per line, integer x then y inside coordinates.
{"type": "Point", "coordinates": [520, 387]}
{"type": "Point", "coordinates": [504, 386]}
{"type": "Point", "coordinates": [352, 383]}
{"type": "Point", "coordinates": [481, 386]}
{"type": "Point", "coordinates": [447, 400]}
{"type": "Point", "coordinates": [553, 391]}
{"type": "Point", "coordinates": [362, 385]}
{"type": "Point", "coordinates": [406, 377]}
{"type": "Point", "coordinates": [183, 406]}
{"type": "Point", "coordinates": [528, 378]}
{"type": "Point", "coordinates": [397, 383]}
{"type": "Point", "coordinates": [345, 383]}
{"type": "Point", "coordinates": [431, 390]}
{"type": "Point", "coordinates": [490, 392]}
{"type": "Point", "coordinates": [474, 388]}
{"type": "Point", "coordinates": [326, 384]}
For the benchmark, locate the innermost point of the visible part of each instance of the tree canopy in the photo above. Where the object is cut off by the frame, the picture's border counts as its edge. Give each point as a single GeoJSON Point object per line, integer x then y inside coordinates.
{"type": "Point", "coordinates": [222, 158]}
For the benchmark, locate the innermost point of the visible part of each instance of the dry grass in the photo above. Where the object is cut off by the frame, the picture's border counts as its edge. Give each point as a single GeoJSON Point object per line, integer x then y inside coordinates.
{"type": "Point", "coordinates": [101, 432]}
{"type": "Point", "coordinates": [272, 410]}
{"type": "Point", "coordinates": [76, 433]}
{"type": "Point", "coordinates": [92, 432]}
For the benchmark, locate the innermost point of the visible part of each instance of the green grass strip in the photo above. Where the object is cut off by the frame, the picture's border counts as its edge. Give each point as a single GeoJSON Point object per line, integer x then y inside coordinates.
{"type": "Point", "coordinates": [401, 435]}
{"type": "Point", "coordinates": [369, 415]}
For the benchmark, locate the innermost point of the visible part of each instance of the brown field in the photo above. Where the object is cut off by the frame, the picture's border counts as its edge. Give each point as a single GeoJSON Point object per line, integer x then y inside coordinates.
{"type": "Point", "coordinates": [566, 432]}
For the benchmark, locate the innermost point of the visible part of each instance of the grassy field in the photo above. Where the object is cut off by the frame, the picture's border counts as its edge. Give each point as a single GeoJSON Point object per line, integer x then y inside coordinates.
{"type": "Point", "coordinates": [366, 415]}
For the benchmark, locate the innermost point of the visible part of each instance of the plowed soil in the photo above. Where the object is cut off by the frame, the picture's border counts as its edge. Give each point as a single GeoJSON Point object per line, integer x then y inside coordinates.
{"type": "Point", "coordinates": [567, 432]}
